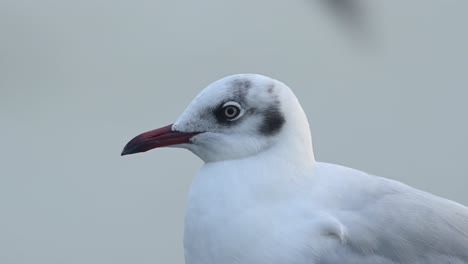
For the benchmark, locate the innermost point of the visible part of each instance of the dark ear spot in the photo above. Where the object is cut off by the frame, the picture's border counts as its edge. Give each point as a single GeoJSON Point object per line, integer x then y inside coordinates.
{"type": "Point", "coordinates": [273, 121]}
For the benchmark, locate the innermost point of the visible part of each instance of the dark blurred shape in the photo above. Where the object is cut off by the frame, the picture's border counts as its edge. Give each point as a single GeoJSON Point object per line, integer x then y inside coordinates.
{"type": "Point", "coordinates": [352, 14]}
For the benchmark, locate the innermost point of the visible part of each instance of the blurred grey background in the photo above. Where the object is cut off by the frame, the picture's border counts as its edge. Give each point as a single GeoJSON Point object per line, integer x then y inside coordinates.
{"type": "Point", "coordinates": [78, 79]}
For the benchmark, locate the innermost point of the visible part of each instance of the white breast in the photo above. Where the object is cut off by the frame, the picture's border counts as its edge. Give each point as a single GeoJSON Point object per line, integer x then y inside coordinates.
{"type": "Point", "coordinates": [234, 216]}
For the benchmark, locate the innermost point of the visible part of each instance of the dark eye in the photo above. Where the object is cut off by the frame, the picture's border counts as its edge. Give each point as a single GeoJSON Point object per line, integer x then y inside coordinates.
{"type": "Point", "coordinates": [230, 112]}
{"type": "Point", "coordinates": [227, 112]}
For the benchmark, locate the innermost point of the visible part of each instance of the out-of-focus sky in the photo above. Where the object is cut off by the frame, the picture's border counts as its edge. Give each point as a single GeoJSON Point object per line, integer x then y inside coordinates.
{"type": "Point", "coordinates": [78, 79]}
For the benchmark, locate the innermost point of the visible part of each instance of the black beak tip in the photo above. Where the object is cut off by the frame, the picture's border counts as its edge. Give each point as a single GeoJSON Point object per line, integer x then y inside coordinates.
{"type": "Point", "coordinates": [127, 150]}
{"type": "Point", "coordinates": [124, 152]}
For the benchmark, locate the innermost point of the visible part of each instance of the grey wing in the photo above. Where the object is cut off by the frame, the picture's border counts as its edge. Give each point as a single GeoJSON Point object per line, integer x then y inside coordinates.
{"type": "Point", "coordinates": [404, 225]}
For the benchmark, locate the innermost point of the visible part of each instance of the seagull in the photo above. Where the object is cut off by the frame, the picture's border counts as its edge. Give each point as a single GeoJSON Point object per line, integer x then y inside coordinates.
{"type": "Point", "coordinates": [260, 196]}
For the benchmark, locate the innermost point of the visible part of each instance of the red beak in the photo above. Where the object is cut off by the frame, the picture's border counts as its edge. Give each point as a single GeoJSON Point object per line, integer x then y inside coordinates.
{"type": "Point", "coordinates": [157, 138]}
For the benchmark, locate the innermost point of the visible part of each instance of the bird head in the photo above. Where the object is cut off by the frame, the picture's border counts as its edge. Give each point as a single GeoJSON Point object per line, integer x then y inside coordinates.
{"type": "Point", "coordinates": [236, 117]}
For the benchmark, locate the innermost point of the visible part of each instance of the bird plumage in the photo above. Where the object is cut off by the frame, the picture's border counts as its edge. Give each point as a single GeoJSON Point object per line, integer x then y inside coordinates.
{"type": "Point", "coordinates": [245, 212]}
{"type": "Point", "coordinates": [262, 198]}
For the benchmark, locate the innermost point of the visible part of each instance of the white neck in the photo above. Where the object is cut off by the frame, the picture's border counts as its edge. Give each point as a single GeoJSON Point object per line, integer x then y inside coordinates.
{"type": "Point", "coordinates": [296, 141]}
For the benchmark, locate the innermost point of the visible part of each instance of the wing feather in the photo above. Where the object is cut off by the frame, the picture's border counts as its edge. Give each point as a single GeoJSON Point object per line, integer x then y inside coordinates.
{"type": "Point", "coordinates": [388, 222]}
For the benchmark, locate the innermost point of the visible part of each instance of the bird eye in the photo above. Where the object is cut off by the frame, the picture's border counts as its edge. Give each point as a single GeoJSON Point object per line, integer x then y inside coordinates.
{"type": "Point", "coordinates": [231, 111]}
